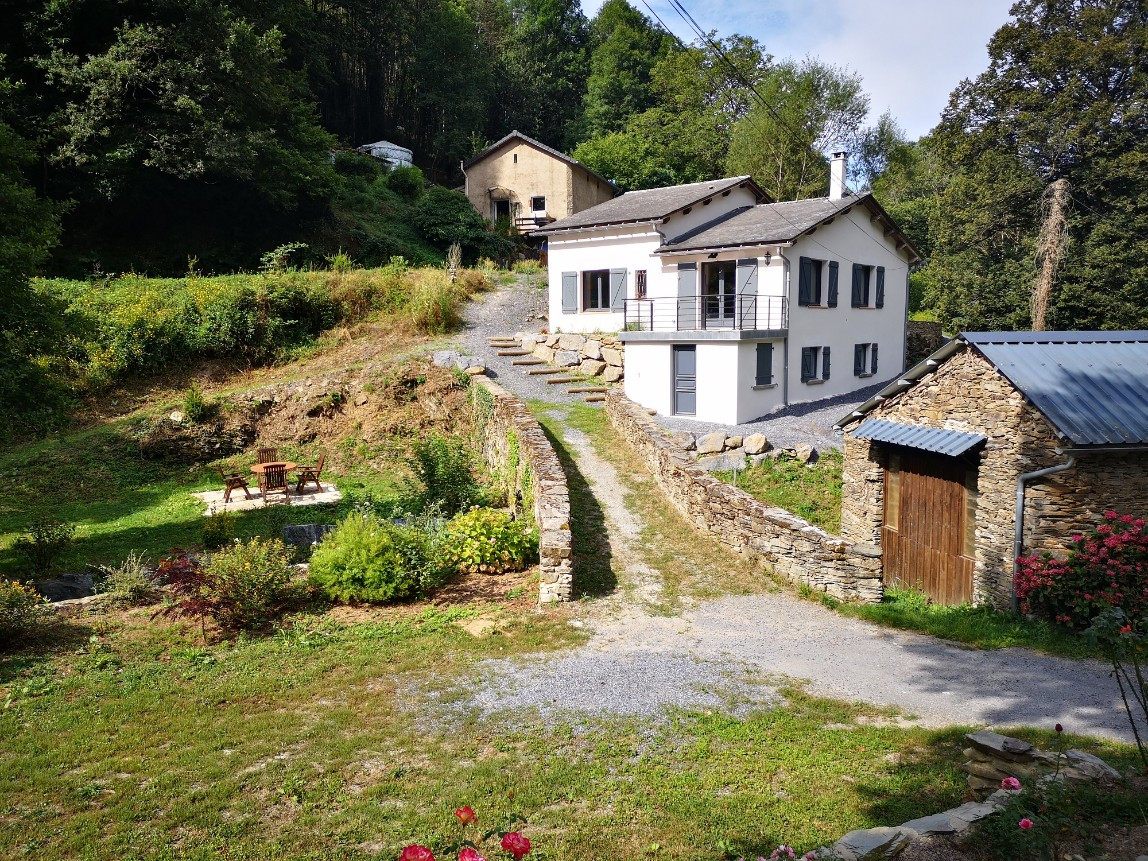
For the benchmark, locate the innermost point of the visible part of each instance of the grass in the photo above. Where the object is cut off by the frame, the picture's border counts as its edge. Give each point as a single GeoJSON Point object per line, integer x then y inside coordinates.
{"type": "Point", "coordinates": [812, 492]}
{"type": "Point", "coordinates": [299, 746]}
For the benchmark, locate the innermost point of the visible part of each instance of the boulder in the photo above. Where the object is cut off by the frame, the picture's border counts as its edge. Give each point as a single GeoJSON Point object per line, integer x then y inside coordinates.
{"type": "Point", "coordinates": [733, 442]}
{"type": "Point", "coordinates": [306, 534]}
{"type": "Point", "coordinates": [591, 367]}
{"type": "Point", "coordinates": [683, 439]}
{"type": "Point", "coordinates": [445, 358]}
{"type": "Point", "coordinates": [612, 375]}
{"type": "Point", "coordinates": [551, 340]}
{"type": "Point", "coordinates": [476, 370]}
{"type": "Point", "coordinates": [67, 586]}
{"type": "Point", "coordinates": [566, 358]}
{"type": "Point", "coordinates": [758, 459]}
{"type": "Point", "coordinates": [612, 357]}
{"type": "Point", "coordinates": [872, 843]}
{"type": "Point", "coordinates": [725, 462]}
{"type": "Point", "coordinates": [1092, 766]}
{"type": "Point", "coordinates": [1001, 746]}
{"type": "Point", "coordinates": [544, 353]}
{"type": "Point", "coordinates": [571, 342]}
{"type": "Point", "coordinates": [756, 443]}
{"type": "Point", "coordinates": [711, 443]}
{"type": "Point", "coordinates": [592, 349]}
{"type": "Point", "coordinates": [176, 417]}
{"type": "Point", "coordinates": [806, 454]}
{"type": "Point", "coordinates": [464, 362]}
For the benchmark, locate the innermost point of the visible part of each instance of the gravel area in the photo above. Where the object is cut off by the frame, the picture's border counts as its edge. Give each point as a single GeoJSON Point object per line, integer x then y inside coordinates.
{"type": "Point", "coordinates": [797, 424]}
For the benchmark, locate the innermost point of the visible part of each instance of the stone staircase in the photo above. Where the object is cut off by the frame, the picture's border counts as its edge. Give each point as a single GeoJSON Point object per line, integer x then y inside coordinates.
{"type": "Point", "coordinates": [534, 354]}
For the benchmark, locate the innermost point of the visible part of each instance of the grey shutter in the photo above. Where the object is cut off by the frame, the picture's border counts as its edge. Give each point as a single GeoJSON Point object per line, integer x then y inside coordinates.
{"type": "Point", "coordinates": [746, 293]}
{"type": "Point", "coordinates": [687, 295]}
{"type": "Point", "coordinates": [617, 289]}
{"type": "Point", "coordinates": [825, 363]}
{"type": "Point", "coordinates": [805, 281]}
{"type": "Point", "coordinates": [873, 359]}
{"type": "Point", "coordinates": [764, 364]}
{"type": "Point", "coordinates": [880, 303]}
{"type": "Point", "coordinates": [858, 359]}
{"type": "Point", "coordinates": [808, 363]}
{"type": "Point", "coordinates": [858, 299]}
{"type": "Point", "coordinates": [569, 292]}
{"type": "Point", "coordinates": [833, 278]}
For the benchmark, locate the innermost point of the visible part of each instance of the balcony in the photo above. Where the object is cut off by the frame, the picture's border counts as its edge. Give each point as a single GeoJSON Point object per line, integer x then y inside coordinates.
{"type": "Point", "coordinates": [696, 313]}
{"type": "Point", "coordinates": [526, 223]}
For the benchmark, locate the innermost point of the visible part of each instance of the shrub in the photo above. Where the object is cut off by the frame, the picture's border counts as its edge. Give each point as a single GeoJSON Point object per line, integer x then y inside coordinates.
{"type": "Point", "coordinates": [130, 582]}
{"type": "Point", "coordinates": [369, 559]}
{"type": "Point", "coordinates": [351, 163]}
{"type": "Point", "coordinates": [407, 181]}
{"type": "Point", "coordinates": [44, 543]}
{"type": "Point", "coordinates": [445, 217]}
{"type": "Point", "coordinates": [340, 261]}
{"type": "Point", "coordinates": [443, 468]}
{"type": "Point", "coordinates": [218, 530]}
{"type": "Point", "coordinates": [249, 584]}
{"type": "Point", "coordinates": [1108, 567]}
{"type": "Point", "coordinates": [194, 404]}
{"type": "Point", "coordinates": [23, 613]}
{"type": "Point", "coordinates": [490, 541]}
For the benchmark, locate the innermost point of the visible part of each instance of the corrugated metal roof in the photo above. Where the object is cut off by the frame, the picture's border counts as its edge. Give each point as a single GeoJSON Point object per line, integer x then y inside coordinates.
{"type": "Point", "coordinates": [948, 442]}
{"type": "Point", "coordinates": [1092, 386]}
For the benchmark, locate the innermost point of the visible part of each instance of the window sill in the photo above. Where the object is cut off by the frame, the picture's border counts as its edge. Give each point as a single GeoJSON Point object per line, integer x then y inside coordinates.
{"type": "Point", "coordinates": [818, 307]}
{"type": "Point", "coordinates": [865, 308]}
{"type": "Point", "coordinates": [814, 382]}
{"type": "Point", "coordinates": [599, 311]}
{"type": "Point", "coordinates": [870, 374]}
{"type": "Point", "coordinates": [760, 386]}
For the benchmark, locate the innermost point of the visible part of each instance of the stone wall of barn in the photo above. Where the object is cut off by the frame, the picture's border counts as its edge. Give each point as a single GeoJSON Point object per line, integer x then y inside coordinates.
{"type": "Point", "coordinates": [967, 393]}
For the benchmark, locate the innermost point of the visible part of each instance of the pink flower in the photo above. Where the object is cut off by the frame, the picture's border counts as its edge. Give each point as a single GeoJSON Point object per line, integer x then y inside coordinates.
{"type": "Point", "coordinates": [466, 815]}
{"type": "Point", "coordinates": [469, 854]}
{"type": "Point", "coordinates": [810, 856]}
{"type": "Point", "coordinates": [1010, 783]}
{"type": "Point", "coordinates": [1058, 728]}
{"type": "Point", "coordinates": [1025, 824]}
{"type": "Point", "coordinates": [516, 845]}
{"type": "Point", "coordinates": [416, 853]}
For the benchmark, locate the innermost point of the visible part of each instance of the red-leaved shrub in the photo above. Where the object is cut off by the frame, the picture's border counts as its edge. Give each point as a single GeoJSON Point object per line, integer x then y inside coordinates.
{"type": "Point", "coordinates": [1108, 567]}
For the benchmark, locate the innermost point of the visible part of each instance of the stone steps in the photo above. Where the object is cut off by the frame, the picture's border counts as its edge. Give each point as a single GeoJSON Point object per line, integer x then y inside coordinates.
{"type": "Point", "coordinates": [560, 381]}
{"type": "Point", "coordinates": [518, 352]}
{"type": "Point", "coordinates": [535, 371]}
{"type": "Point", "coordinates": [578, 390]}
{"type": "Point", "coordinates": [531, 361]}
{"type": "Point", "coordinates": [594, 399]}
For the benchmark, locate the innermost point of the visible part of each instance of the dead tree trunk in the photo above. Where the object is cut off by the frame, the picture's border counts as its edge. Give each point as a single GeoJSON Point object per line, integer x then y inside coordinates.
{"type": "Point", "coordinates": [1050, 245]}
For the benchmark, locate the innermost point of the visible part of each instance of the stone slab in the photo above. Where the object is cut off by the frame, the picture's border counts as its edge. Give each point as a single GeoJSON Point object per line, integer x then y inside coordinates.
{"type": "Point", "coordinates": [711, 443]}
{"type": "Point", "coordinates": [938, 823]}
{"type": "Point", "coordinates": [1003, 746]}
{"type": "Point", "coordinates": [724, 462]}
{"type": "Point", "coordinates": [872, 843]}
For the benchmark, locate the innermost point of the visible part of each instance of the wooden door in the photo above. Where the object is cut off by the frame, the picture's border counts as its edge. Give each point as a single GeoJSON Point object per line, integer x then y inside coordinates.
{"type": "Point", "coordinates": [928, 526]}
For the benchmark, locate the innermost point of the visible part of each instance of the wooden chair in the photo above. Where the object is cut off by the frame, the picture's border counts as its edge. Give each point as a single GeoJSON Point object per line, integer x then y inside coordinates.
{"type": "Point", "coordinates": [308, 474]}
{"type": "Point", "coordinates": [273, 482]}
{"type": "Point", "coordinates": [267, 455]}
{"type": "Point", "coordinates": [233, 481]}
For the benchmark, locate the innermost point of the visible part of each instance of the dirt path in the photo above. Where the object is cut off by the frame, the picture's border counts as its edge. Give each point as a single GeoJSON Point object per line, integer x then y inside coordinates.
{"type": "Point", "coordinates": [737, 651]}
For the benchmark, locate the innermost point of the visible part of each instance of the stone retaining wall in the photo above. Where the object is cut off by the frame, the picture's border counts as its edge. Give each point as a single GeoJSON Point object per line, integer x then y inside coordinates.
{"type": "Point", "coordinates": [514, 444]}
{"type": "Point", "coordinates": [594, 355]}
{"type": "Point", "coordinates": [794, 548]}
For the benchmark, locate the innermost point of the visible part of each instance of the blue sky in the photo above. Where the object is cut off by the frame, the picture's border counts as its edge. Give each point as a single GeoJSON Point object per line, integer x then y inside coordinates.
{"type": "Point", "coordinates": [910, 54]}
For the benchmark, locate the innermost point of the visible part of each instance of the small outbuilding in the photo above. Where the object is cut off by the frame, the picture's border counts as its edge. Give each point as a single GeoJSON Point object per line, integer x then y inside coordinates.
{"type": "Point", "coordinates": [393, 154]}
{"type": "Point", "coordinates": [1000, 444]}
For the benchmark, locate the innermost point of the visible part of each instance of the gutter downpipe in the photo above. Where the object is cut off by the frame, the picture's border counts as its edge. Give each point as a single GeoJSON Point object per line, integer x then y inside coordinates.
{"type": "Point", "coordinates": [785, 350]}
{"type": "Point", "coordinates": [1022, 482]}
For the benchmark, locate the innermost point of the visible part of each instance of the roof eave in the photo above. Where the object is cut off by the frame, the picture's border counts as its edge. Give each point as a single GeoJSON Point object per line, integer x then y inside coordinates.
{"type": "Point", "coordinates": [703, 249]}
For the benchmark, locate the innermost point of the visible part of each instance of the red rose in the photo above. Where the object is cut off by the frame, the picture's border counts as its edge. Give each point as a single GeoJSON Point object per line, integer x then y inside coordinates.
{"type": "Point", "coordinates": [516, 844]}
{"type": "Point", "coordinates": [466, 815]}
{"type": "Point", "coordinates": [469, 854]}
{"type": "Point", "coordinates": [416, 853]}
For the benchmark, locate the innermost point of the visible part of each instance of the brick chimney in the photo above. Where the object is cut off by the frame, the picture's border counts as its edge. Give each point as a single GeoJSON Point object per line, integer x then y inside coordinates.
{"type": "Point", "coordinates": [837, 168]}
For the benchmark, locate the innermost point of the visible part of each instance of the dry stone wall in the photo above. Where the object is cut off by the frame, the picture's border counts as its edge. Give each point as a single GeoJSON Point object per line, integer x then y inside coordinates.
{"type": "Point", "coordinates": [596, 355]}
{"type": "Point", "coordinates": [514, 444]}
{"type": "Point", "coordinates": [794, 548]}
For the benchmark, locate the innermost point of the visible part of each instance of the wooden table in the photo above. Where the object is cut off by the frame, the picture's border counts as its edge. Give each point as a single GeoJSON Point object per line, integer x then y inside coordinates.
{"type": "Point", "coordinates": [260, 468]}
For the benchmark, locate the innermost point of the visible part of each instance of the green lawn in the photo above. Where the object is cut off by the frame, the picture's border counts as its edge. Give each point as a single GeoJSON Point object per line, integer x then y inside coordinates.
{"type": "Point", "coordinates": [812, 492]}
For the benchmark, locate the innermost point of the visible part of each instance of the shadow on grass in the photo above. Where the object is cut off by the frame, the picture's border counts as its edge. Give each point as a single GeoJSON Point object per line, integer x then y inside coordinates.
{"type": "Point", "coordinates": [593, 572]}
{"type": "Point", "coordinates": [59, 635]}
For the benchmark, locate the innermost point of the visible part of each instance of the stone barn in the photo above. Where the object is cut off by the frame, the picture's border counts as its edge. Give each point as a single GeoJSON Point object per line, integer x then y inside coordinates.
{"type": "Point", "coordinates": [1000, 444]}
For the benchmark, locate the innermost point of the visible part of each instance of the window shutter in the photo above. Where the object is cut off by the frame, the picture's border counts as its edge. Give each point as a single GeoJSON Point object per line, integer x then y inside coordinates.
{"type": "Point", "coordinates": [617, 289]}
{"type": "Point", "coordinates": [880, 303]}
{"type": "Point", "coordinates": [858, 299]}
{"type": "Point", "coordinates": [873, 359]}
{"type": "Point", "coordinates": [825, 363]}
{"type": "Point", "coordinates": [833, 278]}
{"type": "Point", "coordinates": [747, 276]}
{"type": "Point", "coordinates": [858, 359]}
{"type": "Point", "coordinates": [808, 363]}
{"type": "Point", "coordinates": [569, 292]}
{"type": "Point", "coordinates": [764, 364]}
{"type": "Point", "coordinates": [687, 295]}
{"type": "Point", "coordinates": [804, 281]}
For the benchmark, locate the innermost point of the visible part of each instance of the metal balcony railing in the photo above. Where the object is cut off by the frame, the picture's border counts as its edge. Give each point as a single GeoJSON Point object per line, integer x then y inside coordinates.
{"type": "Point", "coordinates": [691, 313]}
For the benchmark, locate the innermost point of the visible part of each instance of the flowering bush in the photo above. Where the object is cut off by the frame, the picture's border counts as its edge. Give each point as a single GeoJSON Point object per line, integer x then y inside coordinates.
{"type": "Point", "coordinates": [490, 541]}
{"type": "Point", "coordinates": [22, 613]}
{"type": "Point", "coordinates": [1108, 567]}
{"type": "Point", "coordinates": [514, 843]}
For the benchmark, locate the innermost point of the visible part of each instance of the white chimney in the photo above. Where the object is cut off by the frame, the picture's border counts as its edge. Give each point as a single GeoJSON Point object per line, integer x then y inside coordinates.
{"type": "Point", "coordinates": [837, 169]}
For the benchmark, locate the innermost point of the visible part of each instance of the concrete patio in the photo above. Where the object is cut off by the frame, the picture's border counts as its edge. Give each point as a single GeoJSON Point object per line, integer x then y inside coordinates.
{"type": "Point", "coordinates": [213, 499]}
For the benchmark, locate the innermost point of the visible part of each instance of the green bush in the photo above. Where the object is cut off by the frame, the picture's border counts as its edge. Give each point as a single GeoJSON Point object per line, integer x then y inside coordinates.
{"type": "Point", "coordinates": [194, 404]}
{"type": "Point", "coordinates": [44, 543]}
{"type": "Point", "coordinates": [489, 541]}
{"type": "Point", "coordinates": [407, 181]}
{"type": "Point", "coordinates": [131, 582]}
{"type": "Point", "coordinates": [369, 559]}
{"type": "Point", "coordinates": [218, 530]}
{"type": "Point", "coordinates": [352, 163]}
{"type": "Point", "coordinates": [444, 470]}
{"type": "Point", "coordinates": [23, 613]}
{"type": "Point", "coordinates": [249, 584]}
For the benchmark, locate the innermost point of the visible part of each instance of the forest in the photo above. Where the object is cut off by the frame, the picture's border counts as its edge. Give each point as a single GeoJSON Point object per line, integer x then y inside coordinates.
{"type": "Point", "coordinates": [165, 136]}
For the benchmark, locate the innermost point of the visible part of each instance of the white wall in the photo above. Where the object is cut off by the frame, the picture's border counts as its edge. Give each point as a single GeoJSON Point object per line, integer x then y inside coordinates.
{"type": "Point", "coordinates": [753, 401]}
{"type": "Point", "coordinates": [853, 239]}
{"type": "Point", "coordinates": [649, 376]}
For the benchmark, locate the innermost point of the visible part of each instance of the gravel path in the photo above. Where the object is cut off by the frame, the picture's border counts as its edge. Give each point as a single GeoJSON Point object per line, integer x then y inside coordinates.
{"type": "Point", "coordinates": [735, 652]}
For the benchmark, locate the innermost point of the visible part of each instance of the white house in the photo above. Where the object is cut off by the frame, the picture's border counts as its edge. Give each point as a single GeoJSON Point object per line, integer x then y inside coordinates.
{"type": "Point", "coordinates": [730, 305]}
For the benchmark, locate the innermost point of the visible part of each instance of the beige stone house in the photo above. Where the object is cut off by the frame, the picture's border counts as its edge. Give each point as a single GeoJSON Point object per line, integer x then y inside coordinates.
{"type": "Point", "coordinates": [1000, 444]}
{"type": "Point", "coordinates": [531, 184]}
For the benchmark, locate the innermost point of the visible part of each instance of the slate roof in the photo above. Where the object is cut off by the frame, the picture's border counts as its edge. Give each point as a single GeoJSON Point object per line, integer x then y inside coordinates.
{"type": "Point", "coordinates": [948, 442]}
{"type": "Point", "coordinates": [1091, 386]}
{"type": "Point", "coordinates": [652, 204]}
{"type": "Point", "coordinates": [517, 135]}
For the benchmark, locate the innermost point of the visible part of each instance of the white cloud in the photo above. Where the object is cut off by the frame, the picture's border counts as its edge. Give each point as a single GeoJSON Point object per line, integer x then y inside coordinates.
{"type": "Point", "coordinates": [911, 55]}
